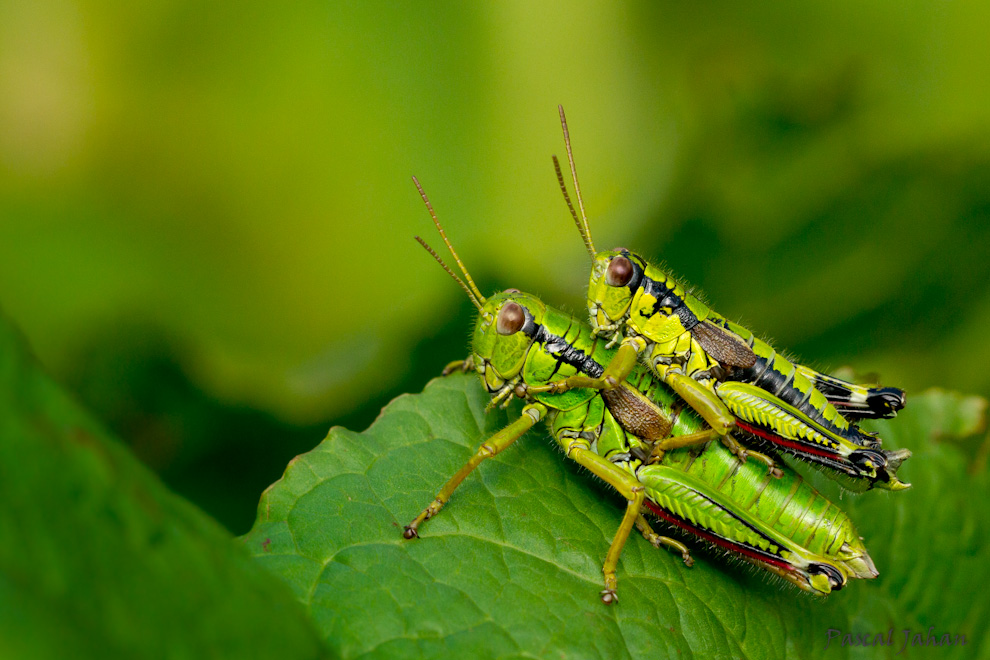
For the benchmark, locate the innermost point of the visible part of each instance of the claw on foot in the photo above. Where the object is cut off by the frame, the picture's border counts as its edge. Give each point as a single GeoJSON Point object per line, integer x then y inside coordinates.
{"type": "Point", "coordinates": [409, 532]}
{"type": "Point", "coordinates": [688, 559]}
{"type": "Point", "coordinates": [458, 365]}
{"type": "Point", "coordinates": [609, 596]}
{"type": "Point", "coordinates": [744, 455]}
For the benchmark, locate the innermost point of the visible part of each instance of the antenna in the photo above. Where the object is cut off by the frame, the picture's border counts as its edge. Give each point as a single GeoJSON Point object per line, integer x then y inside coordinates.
{"type": "Point", "coordinates": [451, 273]}
{"type": "Point", "coordinates": [443, 235]}
{"type": "Point", "coordinates": [567, 198]}
{"type": "Point", "coordinates": [583, 226]}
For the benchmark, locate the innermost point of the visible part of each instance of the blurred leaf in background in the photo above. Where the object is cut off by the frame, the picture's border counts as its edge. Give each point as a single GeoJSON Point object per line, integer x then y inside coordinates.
{"type": "Point", "coordinates": [99, 560]}
{"type": "Point", "coordinates": [206, 213]}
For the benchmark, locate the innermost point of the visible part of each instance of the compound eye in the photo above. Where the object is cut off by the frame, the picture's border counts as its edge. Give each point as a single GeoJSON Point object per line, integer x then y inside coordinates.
{"type": "Point", "coordinates": [510, 319]}
{"type": "Point", "coordinates": [619, 272]}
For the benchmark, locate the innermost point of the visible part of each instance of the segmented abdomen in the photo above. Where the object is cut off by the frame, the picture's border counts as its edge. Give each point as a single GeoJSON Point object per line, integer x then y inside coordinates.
{"type": "Point", "coordinates": [780, 377]}
{"type": "Point", "coordinates": [789, 505]}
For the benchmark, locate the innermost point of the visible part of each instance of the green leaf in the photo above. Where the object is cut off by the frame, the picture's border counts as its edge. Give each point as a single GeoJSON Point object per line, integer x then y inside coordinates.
{"type": "Point", "coordinates": [512, 566]}
{"type": "Point", "coordinates": [98, 559]}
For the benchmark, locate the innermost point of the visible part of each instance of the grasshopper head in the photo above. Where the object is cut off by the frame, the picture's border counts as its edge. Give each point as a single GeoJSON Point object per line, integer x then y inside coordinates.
{"type": "Point", "coordinates": [507, 322]}
{"type": "Point", "coordinates": [504, 333]}
{"type": "Point", "coordinates": [615, 279]}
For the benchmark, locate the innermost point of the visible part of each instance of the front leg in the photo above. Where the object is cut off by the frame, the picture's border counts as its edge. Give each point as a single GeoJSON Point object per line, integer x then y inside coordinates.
{"type": "Point", "coordinates": [616, 372]}
{"type": "Point", "coordinates": [463, 366]}
{"type": "Point", "coordinates": [530, 415]}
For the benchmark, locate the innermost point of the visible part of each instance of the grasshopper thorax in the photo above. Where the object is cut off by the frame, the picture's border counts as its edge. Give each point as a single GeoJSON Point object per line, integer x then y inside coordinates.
{"type": "Point", "coordinates": [616, 276]}
{"type": "Point", "coordinates": [505, 332]}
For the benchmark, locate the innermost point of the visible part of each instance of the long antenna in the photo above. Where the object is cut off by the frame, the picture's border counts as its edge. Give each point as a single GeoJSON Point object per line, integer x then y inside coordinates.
{"type": "Point", "coordinates": [584, 228]}
{"type": "Point", "coordinates": [451, 273]}
{"type": "Point", "coordinates": [443, 235]}
{"type": "Point", "coordinates": [567, 198]}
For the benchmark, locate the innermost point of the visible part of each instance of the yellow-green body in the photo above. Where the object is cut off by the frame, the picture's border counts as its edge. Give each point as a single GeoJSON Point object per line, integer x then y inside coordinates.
{"type": "Point", "coordinates": [642, 440]}
{"type": "Point", "coordinates": [783, 524]}
{"type": "Point", "coordinates": [697, 351]}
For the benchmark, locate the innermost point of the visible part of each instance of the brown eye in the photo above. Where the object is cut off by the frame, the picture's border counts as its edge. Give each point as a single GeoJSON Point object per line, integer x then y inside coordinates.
{"type": "Point", "coordinates": [619, 272]}
{"type": "Point", "coordinates": [510, 319]}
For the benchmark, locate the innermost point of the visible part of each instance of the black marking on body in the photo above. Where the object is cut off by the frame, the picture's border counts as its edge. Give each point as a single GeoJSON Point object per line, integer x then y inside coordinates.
{"type": "Point", "coordinates": [763, 375]}
{"type": "Point", "coordinates": [880, 403]}
{"type": "Point", "coordinates": [666, 299]}
{"type": "Point", "coordinates": [562, 351]}
{"type": "Point", "coordinates": [832, 389]}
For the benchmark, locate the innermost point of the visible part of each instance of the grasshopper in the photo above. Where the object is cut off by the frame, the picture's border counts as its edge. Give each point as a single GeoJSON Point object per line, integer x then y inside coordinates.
{"type": "Point", "coordinates": [641, 440]}
{"type": "Point", "coordinates": [733, 379]}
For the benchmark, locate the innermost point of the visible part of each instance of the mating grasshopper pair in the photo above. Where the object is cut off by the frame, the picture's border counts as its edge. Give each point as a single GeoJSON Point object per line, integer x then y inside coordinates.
{"type": "Point", "coordinates": [628, 424]}
{"type": "Point", "coordinates": [730, 377]}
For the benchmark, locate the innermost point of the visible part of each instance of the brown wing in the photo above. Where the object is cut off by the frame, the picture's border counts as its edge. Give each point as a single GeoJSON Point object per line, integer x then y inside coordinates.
{"type": "Point", "coordinates": [726, 348]}
{"type": "Point", "coordinates": [636, 414]}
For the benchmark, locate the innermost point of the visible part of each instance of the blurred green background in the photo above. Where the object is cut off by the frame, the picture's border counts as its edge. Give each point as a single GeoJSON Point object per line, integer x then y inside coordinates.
{"type": "Point", "coordinates": [206, 216]}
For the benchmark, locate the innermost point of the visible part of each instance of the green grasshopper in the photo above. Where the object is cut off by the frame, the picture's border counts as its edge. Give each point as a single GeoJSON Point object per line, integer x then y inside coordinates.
{"type": "Point", "coordinates": [638, 438]}
{"type": "Point", "coordinates": [733, 379]}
